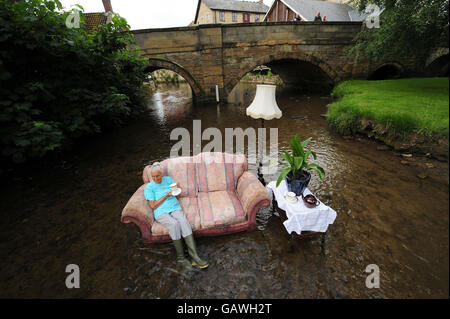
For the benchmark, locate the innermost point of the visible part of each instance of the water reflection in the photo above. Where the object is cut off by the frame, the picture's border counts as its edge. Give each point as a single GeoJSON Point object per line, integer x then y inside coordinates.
{"type": "Point", "coordinates": [381, 218]}
{"type": "Point", "coordinates": [171, 102]}
{"type": "Point", "coordinates": [361, 184]}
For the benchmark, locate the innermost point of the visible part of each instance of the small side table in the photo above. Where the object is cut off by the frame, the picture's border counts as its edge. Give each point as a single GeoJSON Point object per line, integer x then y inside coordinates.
{"type": "Point", "coordinates": [293, 237]}
{"type": "Point", "coordinates": [299, 220]}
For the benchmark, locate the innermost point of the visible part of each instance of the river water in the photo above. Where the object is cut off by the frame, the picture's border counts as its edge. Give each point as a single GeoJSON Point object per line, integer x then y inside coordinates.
{"type": "Point", "coordinates": [386, 215]}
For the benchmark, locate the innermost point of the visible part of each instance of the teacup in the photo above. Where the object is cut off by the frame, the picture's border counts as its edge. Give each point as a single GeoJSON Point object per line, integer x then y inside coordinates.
{"type": "Point", "coordinates": [173, 188]}
{"type": "Point", "coordinates": [291, 197]}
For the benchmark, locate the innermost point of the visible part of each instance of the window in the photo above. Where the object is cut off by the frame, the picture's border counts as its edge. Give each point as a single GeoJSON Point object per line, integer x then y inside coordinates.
{"type": "Point", "coordinates": [207, 18]}
{"type": "Point", "coordinates": [234, 16]}
{"type": "Point", "coordinates": [256, 17]}
{"type": "Point", "coordinates": [287, 15]}
{"type": "Point", "coordinates": [203, 20]}
{"type": "Point", "coordinates": [222, 16]}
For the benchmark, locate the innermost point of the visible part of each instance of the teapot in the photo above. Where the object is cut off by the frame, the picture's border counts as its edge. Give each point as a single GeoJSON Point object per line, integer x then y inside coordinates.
{"type": "Point", "coordinates": [310, 201]}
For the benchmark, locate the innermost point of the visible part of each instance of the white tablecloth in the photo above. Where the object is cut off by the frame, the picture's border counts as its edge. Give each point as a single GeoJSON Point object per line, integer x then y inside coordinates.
{"type": "Point", "coordinates": [300, 217]}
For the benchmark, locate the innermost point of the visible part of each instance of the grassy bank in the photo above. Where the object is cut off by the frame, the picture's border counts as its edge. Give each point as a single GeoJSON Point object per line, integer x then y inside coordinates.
{"type": "Point", "coordinates": [393, 110]}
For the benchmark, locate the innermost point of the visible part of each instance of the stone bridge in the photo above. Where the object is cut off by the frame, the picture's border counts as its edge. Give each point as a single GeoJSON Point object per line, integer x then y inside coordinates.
{"type": "Point", "coordinates": [305, 54]}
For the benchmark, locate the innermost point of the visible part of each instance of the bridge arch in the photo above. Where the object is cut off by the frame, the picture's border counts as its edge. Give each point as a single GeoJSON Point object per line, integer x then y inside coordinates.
{"type": "Point", "coordinates": [156, 64]}
{"type": "Point", "coordinates": [330, 73]}
{"type": "Point", "coordinates": [387, 70]}
{"type": "Point", "coordinates": [438, 66]}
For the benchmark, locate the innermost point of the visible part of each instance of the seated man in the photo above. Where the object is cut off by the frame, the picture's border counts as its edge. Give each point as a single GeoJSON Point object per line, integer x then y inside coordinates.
{"type": "Point", "coordinates": [169, 213]}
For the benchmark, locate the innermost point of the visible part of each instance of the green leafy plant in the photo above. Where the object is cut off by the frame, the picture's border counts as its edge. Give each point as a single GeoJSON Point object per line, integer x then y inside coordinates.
{"type": "Point", "coordinates": [58, 84]}
{"type": "Point", "coordinates": [298, 160]}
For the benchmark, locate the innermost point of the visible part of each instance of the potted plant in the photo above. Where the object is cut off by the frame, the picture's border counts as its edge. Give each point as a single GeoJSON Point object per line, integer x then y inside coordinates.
{"type": "Point", "coordinates": [297, 175]}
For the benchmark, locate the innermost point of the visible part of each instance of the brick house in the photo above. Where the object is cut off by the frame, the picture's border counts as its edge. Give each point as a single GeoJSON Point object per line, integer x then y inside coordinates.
{"type": "Point", "coordinates": [95, 19]}
{"type": "Point", "coordinates": [229, 11]}
{"type": "Point", "coordinates": [334, 10]}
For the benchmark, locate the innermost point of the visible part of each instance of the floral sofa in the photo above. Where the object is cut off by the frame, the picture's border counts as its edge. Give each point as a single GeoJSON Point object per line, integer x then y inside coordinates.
{"type": "Point", "coordinates": [219, 196]}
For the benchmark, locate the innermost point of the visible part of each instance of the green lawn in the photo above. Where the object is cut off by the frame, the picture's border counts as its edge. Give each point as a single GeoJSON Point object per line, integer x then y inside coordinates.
{"type": "Point", "coordinates": [418, 105]}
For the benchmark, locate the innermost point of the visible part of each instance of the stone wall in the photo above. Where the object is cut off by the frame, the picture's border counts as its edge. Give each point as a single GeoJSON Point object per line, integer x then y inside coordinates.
{"type": "Point", "coordinates": [221, 54]}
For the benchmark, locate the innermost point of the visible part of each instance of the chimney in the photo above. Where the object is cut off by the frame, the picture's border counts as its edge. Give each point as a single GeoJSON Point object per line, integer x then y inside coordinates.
{"type": "Point", "coordinates": [261, 1]}
{"type": "Point", "coordinates": [107, 5]}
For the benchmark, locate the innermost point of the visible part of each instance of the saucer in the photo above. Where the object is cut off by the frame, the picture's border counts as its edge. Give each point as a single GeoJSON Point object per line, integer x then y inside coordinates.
{"type": "Point", "coordinates": [176, 191]}
{"type": "Point", "coordinates": [292, 201]}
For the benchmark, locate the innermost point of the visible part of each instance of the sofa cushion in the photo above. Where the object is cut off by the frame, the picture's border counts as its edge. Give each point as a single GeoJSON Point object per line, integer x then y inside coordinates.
{"type": "Point", "coordinates": [220, 208]}
{"type": "Point", "coordinates": [190, 208]}
{"type": "Point", "coordinates": [182, 170]}
{"type": "Point", "coordinates": [219, 171]}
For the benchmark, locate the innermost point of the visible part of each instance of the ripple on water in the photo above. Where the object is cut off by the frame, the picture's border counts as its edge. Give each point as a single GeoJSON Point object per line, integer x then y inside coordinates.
{"type": "Point", "coordinates": [378, 200]}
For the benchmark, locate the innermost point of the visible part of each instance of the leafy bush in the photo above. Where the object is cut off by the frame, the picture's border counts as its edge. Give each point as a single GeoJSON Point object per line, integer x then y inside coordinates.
{"type": "Point", "coordinates": [407, 29]}
{"type": "Point", "coordinates": [58, 83]}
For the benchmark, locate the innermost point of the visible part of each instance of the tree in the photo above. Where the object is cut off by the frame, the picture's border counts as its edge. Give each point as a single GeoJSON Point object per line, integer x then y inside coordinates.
{"type": "Point", "coordinates": [59, 83]}
{"type": "Point", "coordinates": [407, 28]}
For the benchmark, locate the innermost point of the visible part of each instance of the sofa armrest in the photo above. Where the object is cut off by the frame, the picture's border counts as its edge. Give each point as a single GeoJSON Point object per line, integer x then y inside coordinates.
{"type": "Point", "coordinates": [139, 212]}
{"type": "Point", "coordinates": [252, 194]}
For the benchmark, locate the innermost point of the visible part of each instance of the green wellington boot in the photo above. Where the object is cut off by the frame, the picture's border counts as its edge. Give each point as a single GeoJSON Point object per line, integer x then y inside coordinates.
{"type": "Point", "coordinates": [192, 251]}
{"type": "Point", "coordinates": [180, 254]}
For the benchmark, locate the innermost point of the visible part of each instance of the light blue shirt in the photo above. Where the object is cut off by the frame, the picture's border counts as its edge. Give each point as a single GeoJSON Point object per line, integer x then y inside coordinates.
{"type": "Point", "coordinates": [154, 191]}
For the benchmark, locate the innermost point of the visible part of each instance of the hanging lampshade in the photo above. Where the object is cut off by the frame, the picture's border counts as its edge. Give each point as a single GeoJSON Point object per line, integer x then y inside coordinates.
{"type": "Point", "coordinates": [264, 105]}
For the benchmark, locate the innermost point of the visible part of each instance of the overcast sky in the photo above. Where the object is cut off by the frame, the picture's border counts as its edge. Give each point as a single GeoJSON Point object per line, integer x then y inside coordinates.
{"type": "Point", "coordinates": [143, 14]}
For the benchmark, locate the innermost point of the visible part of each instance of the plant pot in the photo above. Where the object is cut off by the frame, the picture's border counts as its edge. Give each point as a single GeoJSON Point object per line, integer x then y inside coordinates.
{"type": "Point", "coordinates": [298, 185]}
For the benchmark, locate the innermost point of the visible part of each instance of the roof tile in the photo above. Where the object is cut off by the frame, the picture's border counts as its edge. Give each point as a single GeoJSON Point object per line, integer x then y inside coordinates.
{"type": "Point", "coordinates": [234, 5]}
{"type": "Point", "coordinates": [93, 20]}
{"type": "Point", "coordinates": [333, 11]}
